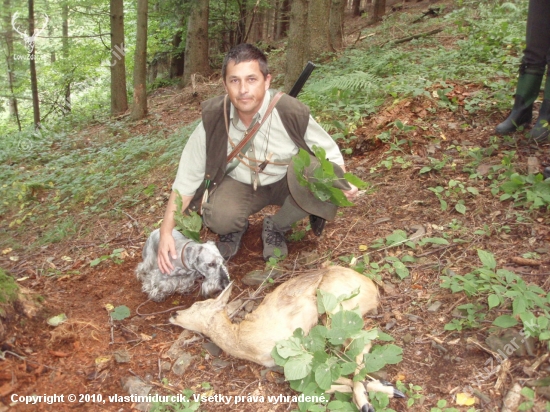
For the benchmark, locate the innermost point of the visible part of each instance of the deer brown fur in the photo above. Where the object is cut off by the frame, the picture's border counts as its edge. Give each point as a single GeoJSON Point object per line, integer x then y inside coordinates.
{"type": "Point", "coordinates": [291, 305]}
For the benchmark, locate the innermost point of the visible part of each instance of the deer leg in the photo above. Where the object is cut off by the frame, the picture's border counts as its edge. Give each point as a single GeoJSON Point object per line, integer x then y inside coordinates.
{"type": "Point", "coordinates": [360, 396]}
{"type": "Point", "coordinates": [360, 389]}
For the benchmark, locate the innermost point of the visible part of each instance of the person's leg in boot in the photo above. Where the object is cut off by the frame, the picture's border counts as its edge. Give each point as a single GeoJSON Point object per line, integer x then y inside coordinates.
{"type": "Point", "coordinates": [537, 45]}
{"type": "Point", "coordinates": [226, 214]}
{"type": "Point", "coordinates": [537, 41]}
{"type": "Point", "coordinates": [274, 228]}
{"type": "Point", "coordinates": [541, 130]}
{"type": "Point", "coordinates": [527, 91]}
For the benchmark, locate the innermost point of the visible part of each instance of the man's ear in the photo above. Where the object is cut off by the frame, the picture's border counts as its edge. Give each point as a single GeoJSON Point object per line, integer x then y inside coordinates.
{"type": "Point", "coordinates": [267, 81]}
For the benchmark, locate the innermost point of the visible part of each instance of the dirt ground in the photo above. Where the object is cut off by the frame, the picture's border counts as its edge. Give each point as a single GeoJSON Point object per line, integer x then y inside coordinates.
{"type": "Point", "coordinates": [41, 359]}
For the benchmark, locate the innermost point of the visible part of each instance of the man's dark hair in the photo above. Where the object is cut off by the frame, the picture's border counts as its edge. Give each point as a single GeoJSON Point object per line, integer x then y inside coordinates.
{"type": "Point", "coordinates": [245, 52]}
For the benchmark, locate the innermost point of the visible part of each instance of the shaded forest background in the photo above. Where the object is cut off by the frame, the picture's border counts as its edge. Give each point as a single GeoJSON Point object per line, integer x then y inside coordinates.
{"type": "Point", "coordinates": [72, 57]}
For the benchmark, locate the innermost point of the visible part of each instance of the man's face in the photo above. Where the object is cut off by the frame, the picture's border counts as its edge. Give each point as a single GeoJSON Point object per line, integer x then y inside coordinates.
{"type": "Point", "coordinates": [246, 86]}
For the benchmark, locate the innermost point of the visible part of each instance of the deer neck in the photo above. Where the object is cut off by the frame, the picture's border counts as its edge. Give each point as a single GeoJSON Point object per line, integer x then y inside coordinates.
{"type": "Point", "coordinates": [226, 335]}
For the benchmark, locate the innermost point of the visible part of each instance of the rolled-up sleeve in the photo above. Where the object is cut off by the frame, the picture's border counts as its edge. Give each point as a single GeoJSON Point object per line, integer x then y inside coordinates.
{"type": "Point", "coordinates": [192, 163]}
{"type": "Point", "coordinates": [317, 136]}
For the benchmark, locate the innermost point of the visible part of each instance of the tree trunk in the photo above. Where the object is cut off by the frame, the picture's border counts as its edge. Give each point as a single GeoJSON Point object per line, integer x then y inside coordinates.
{"type": "Point", "coordinates": [282, 21]}
{"type": "Point", "coordinates": [318, 16]}
{"type": "Point", "coordinates": [34, 82]}
{"type": "Point", "coordinates": [119, 99]}
{"type": "Point", "coordinates": [240, 31]}
{"type": "Point", "coordinates": [65, 50]}
{"type": "Point", "coordinates": [378, 10]}
{"type": "Point", "coordinates": [336, 23]}
{"type": "Point", "coordinates": [297, 50]}
{"type": "Point", "coordinates": [8, 36]}
{"type": "Point", "coordinates": [139, 109]}
{"type": "Point", "coordinates": [196, 46]}
{"type": "Point", "coordinates": [177, 60]}
{"type": "Point", "coordinates": [356, 8]}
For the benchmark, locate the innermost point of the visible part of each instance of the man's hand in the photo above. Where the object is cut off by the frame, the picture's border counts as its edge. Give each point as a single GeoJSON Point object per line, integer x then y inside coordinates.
{"type": "Point", "coordinates": [167, 246]}
{"type": "Point", "coordinates": [166, 253]}
{"type": "Point", "coordinates": [352, 193]}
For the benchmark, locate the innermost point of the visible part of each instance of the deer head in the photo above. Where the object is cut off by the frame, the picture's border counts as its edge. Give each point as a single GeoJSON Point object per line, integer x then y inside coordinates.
{"type": "Point", "coordinates": [29, 40]}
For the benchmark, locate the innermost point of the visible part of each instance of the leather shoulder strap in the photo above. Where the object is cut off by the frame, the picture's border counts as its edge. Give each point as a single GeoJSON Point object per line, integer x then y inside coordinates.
{"type": "Point", "coordinates": [252, 132]}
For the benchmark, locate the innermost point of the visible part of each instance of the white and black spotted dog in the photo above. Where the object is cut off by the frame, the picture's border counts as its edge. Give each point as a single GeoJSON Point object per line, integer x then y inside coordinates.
{"type": "Point", "coordinates": [195, 261]}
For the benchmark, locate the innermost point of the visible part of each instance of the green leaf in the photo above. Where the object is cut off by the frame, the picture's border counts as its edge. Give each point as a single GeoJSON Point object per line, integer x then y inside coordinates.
{"type": "Point", "coordinates": [97, 261]}
{"type": "Point", "coordinates": [400, 269]}
{"type": "Point", "coordinates": [460, 208]}
{"type": "Point", "coordinates": [323, 376]}
{"type": "Point", "coordinates": [347, 368]}
{"type": "Point", "coordinates": [487, 258]}
{"type": "Point", "coordinates": [505, 321]}
{"type": "Point", "coordinates": [354, 180]}
{"type": "Point", "coordinates": [433, 240]}
{"type": "Point", "coordinates": [289, 347]}
{"type": "Point", "coordinates": [326, 302]}
{"type": "Point", "coordinates": [493, 301]}
{"type": "Point", "coordinates": [381, 356]}
{"type": "Point", "coordinates": [384, 337]}
{"type": "Point", "coordinates": [120, 313]}
{"type": "Point", "coordinates": [397, 237]}
{"type": "Point", "coordinates": [57, 320]}
{"type": "Point", "coordinates": [298, 367]}
{"type": "Point", "coordinates": [519, 305]}
{"type": "Point", "coordinates": [348, 321]}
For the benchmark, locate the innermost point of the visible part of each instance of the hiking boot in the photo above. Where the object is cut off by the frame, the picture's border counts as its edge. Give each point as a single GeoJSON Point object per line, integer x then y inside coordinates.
{"type": "Point", "coordinates": [229, 244]}
{"type": "Point", "coordinates": [273, 239]}
{"type": "Point", "coordinates": [527, 91]}
{"type": "Point", "coordinates": [540, 131]}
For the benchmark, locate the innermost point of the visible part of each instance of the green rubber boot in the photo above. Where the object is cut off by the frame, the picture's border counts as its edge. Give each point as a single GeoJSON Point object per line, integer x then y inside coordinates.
{"type": "Point", "coordinates": [529, 81]}
{"type": "Point", "coordinates": [541, 130]}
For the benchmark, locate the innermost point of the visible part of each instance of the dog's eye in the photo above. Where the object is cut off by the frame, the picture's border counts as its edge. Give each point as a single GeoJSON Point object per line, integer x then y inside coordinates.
{"type": "Point", "coordinates": [212, 264]}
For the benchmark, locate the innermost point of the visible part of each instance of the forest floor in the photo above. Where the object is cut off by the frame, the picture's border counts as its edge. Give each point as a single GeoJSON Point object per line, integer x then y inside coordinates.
{"type": "Point", "coordinates": [89, 354]}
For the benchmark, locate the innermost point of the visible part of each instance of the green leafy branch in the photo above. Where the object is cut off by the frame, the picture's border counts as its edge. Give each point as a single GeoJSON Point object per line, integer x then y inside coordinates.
{"type": "Point", "coordinates": [188, 224]}
{"type": "Point", "coordinates": [502, 288]}
{"type": "Point", "coordinates": [321, 183]}
{"type": "Point", "coordinates": [314, 362]}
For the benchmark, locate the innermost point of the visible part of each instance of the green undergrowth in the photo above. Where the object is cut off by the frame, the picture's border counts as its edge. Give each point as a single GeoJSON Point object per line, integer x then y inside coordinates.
{"type": "Point", "coordinates": [52, 176]}
{"type": "Point", "coordinates": [8, 288]}
{"type": "Point", "coordinates": [481, 41]}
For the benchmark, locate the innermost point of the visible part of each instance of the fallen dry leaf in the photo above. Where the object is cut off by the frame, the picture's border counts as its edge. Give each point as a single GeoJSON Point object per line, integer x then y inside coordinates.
{"type": "Point", "coordinates": [59, 354]}
{"type": "Point", "coordinates": [465, 399]}
{"type": "Point", "coordinates": [525, 262]}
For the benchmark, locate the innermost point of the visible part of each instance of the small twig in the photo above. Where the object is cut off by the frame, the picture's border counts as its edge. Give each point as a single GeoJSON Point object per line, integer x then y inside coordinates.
{"type": "Point", "coordinates": [156, 313]}
{"type": "Point", "coordinates": [136, 375]}
{"type": "Point", "coordinates": [431, 252]}
{"type": "Point", "coordinates": [23, 358]}
{"type": "Point", "coordinates": [168, 388]}
{"type": "Point", "coordinates": [416, 36]}
{"type": "Point", "coordinates": [455, 305]}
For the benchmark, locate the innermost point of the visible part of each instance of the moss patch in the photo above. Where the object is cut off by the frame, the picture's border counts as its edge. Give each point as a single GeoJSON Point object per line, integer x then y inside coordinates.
{"type": "Point", "coordinates": [8, 288]}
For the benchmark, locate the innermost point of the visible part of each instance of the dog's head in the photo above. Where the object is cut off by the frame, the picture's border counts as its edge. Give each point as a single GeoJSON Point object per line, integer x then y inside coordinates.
{"type": "Point", "coordinates": [207, 260]}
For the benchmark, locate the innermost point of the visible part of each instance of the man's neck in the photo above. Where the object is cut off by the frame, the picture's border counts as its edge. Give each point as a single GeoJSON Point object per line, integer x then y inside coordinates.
{"type": "Point", "coordinates": [246, 119]}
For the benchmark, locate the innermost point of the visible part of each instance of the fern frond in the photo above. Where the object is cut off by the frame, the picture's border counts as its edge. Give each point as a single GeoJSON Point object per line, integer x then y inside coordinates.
{"type": "Point", "coordinates": [355, 81]}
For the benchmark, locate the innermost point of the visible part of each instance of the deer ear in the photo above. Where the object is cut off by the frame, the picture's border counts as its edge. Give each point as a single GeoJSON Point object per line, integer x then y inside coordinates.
{"type": "Point", "coordinates": [223, 297]}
